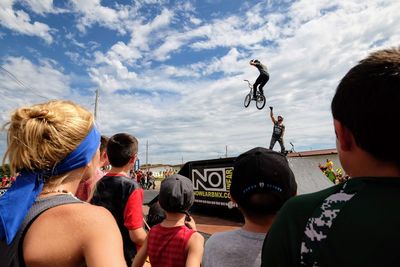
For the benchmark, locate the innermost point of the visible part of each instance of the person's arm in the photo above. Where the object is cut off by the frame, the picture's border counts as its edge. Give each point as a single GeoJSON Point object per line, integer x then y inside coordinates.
{"type": "Point", "coordinates": [141, 256]}
{"type": "Point", "coordinates": [138, 236]}
{"type": "Point", "coordinates": [283, 131]}
{"type": "Point", "coordinates": [271, 114]}
{"type": "Point", "coordinates": [195, 250]}
{"type": "Point", "coordinates": [102, 234]}
{"type": "Point", "coordinates": [133, 217]}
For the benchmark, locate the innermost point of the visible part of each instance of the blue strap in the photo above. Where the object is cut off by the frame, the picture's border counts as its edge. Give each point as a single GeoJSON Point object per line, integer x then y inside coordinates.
{"type": "Point", "coordinates": [16, 202]}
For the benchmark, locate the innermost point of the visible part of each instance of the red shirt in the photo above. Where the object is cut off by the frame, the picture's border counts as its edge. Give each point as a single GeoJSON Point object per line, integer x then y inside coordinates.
{"type": "Point", "coordinates": [167, 246]}
{"type": "Point", "coordinates": [133, 212]}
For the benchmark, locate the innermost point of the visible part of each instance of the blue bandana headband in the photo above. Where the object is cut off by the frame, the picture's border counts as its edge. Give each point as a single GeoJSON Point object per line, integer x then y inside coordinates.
{"type": "Point", "coordinates": [16, 202]}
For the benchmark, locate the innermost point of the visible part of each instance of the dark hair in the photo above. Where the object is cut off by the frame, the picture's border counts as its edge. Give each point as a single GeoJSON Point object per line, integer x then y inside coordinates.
{"type": "Point", "coordinates": [156, 214]}
{"type": "Point", "coordinates": [121, 148]}
{"type": "Point", "coordinates": [366, 102]}
{"type": "Point", "coordinates": [261, 204]}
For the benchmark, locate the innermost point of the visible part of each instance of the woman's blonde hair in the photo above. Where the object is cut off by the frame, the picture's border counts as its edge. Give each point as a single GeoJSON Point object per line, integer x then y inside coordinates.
{"type": "Point", "coordinates": [42, 135]}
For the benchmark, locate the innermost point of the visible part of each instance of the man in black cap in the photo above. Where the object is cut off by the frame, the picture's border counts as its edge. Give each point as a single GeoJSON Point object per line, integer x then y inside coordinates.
{"type": "Point", "coordinates": [262, 181]}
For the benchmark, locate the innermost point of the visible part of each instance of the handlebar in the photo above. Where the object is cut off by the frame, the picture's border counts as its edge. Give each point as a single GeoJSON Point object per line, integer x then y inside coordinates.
{"type": "Point", "coordinates": [250, 85]}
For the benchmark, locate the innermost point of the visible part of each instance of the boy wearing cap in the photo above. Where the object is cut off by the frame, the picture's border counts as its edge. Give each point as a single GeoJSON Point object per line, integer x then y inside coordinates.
{"type": "Point", "coordinates": [121, 195]}
{"type": "Point", "coordinates": [262, 181]}
{"type": "Point", "coordinates": [355, 223]}
{"type": "Point", "coordinates": [174, 242]}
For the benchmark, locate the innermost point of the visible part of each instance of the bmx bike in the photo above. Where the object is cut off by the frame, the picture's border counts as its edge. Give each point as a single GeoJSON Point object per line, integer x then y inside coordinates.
{"type": "Point", "coordinates": [291, 150]}
{"type": "Point", "coordinates": [260, 98]}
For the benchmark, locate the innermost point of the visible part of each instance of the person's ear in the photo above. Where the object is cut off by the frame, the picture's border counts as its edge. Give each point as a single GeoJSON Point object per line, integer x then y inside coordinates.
{"type": "Point", "coordinates": [103, 156]}
{"type": "Point", "coordinates": [344, 136]}
{"type": "Point", "coordinates": [133, 159]}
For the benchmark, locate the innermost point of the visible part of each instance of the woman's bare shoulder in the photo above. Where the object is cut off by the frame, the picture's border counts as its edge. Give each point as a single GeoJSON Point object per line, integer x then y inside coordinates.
{"type": "Point", "coordinates": [64, 231]}
{"type": "Point", "coordinates": [83, 214]}
{"type": "Point", "coordinates": [79, 218]}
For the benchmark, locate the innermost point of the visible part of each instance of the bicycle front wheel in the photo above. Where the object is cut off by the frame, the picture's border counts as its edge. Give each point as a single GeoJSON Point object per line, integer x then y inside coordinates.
{"type": "Point", "coordinates": [247, 100]}
{"type": "Point", "coordinates": [260, 102]}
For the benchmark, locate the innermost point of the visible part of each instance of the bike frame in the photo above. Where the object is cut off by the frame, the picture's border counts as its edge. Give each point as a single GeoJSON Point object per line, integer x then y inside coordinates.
{"type": "Point", "coordinates": [250, 86]}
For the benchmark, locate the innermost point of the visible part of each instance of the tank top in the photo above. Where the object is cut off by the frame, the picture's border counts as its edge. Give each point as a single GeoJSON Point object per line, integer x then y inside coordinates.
{"type": "Point", "coordinates": [166, 246]}
{"type": "Point", "coordinates": [12, 255]}
{"type": "Point", "coordinates": [278, 129]}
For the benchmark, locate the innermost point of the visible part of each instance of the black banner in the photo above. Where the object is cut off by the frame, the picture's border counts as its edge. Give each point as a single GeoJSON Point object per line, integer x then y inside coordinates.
{"type": "Point", "coordinates": [211, 181]}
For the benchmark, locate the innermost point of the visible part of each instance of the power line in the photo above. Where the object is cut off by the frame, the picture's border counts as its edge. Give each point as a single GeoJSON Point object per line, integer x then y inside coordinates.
{"type": "Point", "coordinates": [19, 82]}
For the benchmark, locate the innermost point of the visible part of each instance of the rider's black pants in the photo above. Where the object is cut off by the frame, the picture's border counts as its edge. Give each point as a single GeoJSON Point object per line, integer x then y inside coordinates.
{"type": "Point", "coordinates": [261, 81]}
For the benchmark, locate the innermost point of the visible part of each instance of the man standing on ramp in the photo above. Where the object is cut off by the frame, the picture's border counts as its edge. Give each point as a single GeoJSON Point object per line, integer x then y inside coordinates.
{"type": "Point", "coordinates": [277, 132]}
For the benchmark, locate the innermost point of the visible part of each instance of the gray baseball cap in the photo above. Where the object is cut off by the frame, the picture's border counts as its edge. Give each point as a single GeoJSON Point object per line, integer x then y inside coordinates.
{"type": "Point", "coordinates": [176, 193]}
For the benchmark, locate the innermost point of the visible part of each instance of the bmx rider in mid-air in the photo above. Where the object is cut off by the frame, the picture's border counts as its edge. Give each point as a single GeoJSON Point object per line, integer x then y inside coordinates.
{"type": "Point", "coordinates": [262, 79]}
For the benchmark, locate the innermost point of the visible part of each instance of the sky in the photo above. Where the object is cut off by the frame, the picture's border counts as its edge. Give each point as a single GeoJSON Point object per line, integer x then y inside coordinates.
{"type": "Point", "coordinates": [171, 72]}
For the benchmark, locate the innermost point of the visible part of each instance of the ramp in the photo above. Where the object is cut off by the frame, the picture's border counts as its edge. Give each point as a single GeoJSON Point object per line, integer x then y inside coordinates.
{"type": "Point", "coordinates": [309, 177]}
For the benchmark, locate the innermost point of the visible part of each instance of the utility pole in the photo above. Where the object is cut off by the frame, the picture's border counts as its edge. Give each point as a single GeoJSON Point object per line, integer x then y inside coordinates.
{"type": "Point", "coordinates": [226, 151]}
{"type": "Point", "coordinates": [96, 104]}
{"type": "Point", "coordinates": [147, 154]}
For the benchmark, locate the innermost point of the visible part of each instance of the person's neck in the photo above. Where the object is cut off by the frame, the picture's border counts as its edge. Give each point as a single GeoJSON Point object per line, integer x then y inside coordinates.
{"type": "Point", "coordinates": [123, 171]}
{"type": "Point", "coordinates": [69, 185]}
{"type": "Point", "coordinates": [262, 225]}
{"type": "Point", "coordinates": [364, 165]}
{"type": "Point", "coordinates": [173, 219]}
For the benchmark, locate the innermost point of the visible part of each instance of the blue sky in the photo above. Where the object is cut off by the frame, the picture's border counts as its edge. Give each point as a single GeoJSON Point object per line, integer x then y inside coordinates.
{"type": "Point", "coordinates": [171, 72]}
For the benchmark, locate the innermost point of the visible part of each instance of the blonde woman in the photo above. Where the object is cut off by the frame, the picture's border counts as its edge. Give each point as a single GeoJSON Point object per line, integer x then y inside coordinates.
{"type": "Point", "coordinates": [53, 146]}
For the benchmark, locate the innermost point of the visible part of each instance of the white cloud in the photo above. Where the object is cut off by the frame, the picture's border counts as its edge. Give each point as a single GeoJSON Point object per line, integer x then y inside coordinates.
{"type": "Point", "coordinates": [20, 21]}
{"type": "Point", "coordinates": [93, 12]}
{"type": "Point", "coordinates": [24, 83]}
{"type": "Point", "coordinates": [308, 58]}
{"type": "Point", "coordinates": [43, 6]}
{"type": "Point", "coordinates": [42, 80]}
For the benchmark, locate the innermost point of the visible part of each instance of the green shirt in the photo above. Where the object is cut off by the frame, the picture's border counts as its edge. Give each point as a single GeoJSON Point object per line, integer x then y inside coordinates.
{"type": "Point", "coordinates": [364, 233]}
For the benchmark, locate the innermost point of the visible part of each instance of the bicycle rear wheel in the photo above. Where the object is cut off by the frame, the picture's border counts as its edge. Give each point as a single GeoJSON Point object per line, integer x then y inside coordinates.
{"type": "Point", "coordinates": [260, 102]}
{"type": "Point", "coordinates": [247, 100]}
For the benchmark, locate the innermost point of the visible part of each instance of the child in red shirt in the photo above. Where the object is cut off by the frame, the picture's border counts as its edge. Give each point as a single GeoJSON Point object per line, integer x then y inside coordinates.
{"type": "Point", "coordinates": [174, 242]}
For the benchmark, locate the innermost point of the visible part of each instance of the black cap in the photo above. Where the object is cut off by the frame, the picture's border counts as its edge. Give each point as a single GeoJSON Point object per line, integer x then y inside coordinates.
{"type": "Point", "coordinates": [176, 193]}
{"type": "Point", "coordinates": [262, 170]}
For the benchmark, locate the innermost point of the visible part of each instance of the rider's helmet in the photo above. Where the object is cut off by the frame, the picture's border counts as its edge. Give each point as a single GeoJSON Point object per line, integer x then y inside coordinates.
{"type": "Point", "coordinates": [256, 61]}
